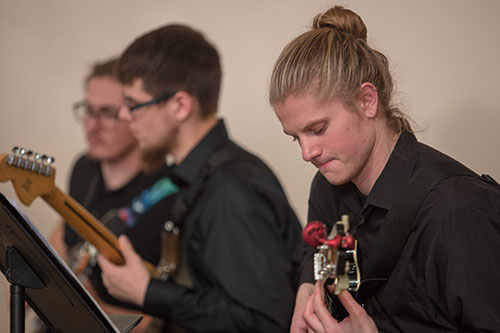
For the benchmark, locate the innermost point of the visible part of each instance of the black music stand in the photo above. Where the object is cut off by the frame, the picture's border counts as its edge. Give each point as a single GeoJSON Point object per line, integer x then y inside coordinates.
{"type": "Point", "coordinates": [38, 275]}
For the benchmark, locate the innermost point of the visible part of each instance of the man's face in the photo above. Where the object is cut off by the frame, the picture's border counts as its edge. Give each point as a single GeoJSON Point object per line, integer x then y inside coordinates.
{"type": "Point", "coordinates": [338, 141]}
{"type": "Point", "coordinates": [108, 139]}
{"type": "Point", "coordinates": [154, 126]}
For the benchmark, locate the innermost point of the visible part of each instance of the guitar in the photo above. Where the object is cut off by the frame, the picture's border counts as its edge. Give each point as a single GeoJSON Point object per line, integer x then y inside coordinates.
{"type": "Point", "coordinates": [32, 175]}
{"type": "Point", "coordinates": [336, 258]}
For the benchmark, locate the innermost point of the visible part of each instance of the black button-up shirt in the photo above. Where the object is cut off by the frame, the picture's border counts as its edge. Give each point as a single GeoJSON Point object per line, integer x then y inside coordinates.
{"type": "Point", "coordinates": [242, 248]}
{"type": "Point", "coordinates": [445, 279]}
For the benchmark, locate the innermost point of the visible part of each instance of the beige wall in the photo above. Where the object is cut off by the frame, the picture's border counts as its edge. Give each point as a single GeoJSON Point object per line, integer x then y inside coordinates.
{"type": "Point", "coordinates": [444, 56]}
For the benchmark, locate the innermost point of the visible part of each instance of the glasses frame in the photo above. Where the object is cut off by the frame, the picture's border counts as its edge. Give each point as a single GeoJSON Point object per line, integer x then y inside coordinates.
{"type": "Point", "coordinates": [155, 100]}
{"type": "Point", "coordinates": [94, 114]}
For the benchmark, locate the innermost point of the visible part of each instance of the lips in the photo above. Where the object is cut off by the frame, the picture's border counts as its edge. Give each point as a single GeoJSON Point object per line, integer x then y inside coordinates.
{"type": "Point", "coordinates": [93, 139]}
{"type": "Point", "coordinates": [321, 165]}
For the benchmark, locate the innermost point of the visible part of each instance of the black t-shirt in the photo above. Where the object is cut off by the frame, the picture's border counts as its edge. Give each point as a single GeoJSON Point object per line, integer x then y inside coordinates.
{"type": "Point", "coordinates": [445, 279]}
{"type": "Point", "coordinates": [137, 210]}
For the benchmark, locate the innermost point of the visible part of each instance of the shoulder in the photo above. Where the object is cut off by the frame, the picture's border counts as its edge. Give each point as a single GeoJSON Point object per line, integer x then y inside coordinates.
{"type": "Point", "coordinates": [461, 203]}
{"type": "Point", "coordinates": [84, 165]}
{"type": "Point", "coordinates": [243, 169]}
{"type": "Point", "coordinates": [83, 172]}
{"type": "Point", "coordinates": [456, 192]}
{"type": "Point", "coordinates": [462, 192]}
{"type": "Point", "coordinates": [245, 183]}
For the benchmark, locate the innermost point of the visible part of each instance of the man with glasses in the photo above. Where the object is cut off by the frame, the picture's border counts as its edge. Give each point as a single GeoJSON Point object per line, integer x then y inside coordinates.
{"type": "Point", "coordinates": [108, 180]}
{"type": "Point", "coordinates": [240, 238]}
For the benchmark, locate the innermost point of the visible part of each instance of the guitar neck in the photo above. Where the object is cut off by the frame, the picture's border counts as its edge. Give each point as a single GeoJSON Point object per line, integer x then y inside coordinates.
{"type": "Point", "coordinates": [88, 227]}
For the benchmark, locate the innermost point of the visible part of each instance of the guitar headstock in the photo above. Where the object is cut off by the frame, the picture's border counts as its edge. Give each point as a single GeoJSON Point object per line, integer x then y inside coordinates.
{"type": "Point", "coordinates": [336, 257]}
{"type": "Point", "coordinates": [32, 174]}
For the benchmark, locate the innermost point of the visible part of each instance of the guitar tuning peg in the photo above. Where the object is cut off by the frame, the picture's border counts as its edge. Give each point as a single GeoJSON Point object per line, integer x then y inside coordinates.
{"type": "Point", "coordinates": [36, 159]}
{"type": "Point", "coordinates": [48, 168]}
{"type": "Point", "coordinates": [22, 153]}
{"type": "Point", "coordinates": [43, 162]}
{"type": "Point", "coordinates": [28, 159]}
{"type": "Point", "coordinates": [12, 156]}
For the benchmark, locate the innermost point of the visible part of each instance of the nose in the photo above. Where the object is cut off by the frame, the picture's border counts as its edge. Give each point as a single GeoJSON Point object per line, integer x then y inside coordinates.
{"type": "Point", "coordinates": [92, 122]}
{"type": "Point", "coordinates": [310, 149]}
{"type": "Point", "coordinates": [124, 113]}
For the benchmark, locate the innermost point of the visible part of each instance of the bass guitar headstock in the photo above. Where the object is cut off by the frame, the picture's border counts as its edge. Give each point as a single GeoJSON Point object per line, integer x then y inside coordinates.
{"type": "Point", "coordinates": [32, 174]}
{"type": "Point", "coordinates": [336, 257]}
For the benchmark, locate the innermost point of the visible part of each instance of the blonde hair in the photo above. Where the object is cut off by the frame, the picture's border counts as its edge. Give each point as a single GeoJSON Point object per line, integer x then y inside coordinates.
{"type": "Point", "coordinates": [333, 60]}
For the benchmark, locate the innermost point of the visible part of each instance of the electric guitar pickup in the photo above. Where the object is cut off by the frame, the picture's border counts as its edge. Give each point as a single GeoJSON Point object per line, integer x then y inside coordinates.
{"type": "Point", "coordinates": [336, 258]}
{"type": "Point", "coordinates": [32, 175]}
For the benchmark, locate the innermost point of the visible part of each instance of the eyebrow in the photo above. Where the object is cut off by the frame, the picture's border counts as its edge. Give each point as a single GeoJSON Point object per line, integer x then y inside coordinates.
{"type": "Point", "coordinates": [129, 99]}
{"type": "Point", "coordinates": [103, 106]}
{"type": "Point", "coordinates": [308, 126]}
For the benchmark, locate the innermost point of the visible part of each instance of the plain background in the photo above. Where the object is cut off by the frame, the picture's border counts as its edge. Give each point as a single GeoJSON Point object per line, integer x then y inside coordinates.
{"type": "Point", "coordinates": [443, 54]}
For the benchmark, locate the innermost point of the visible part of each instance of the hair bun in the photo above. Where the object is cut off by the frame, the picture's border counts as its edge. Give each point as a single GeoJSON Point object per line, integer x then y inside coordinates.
{"type": "Point", "coordinates": [341, 19]}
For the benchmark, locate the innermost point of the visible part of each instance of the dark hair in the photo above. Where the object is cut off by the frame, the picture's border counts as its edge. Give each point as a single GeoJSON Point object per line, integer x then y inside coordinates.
{"type": "Point", "coordinates": [333, 60]}
{"type": "Point", "coordinates": [172, 58]}
{"type": "Point", "coordinates": [105, 68]}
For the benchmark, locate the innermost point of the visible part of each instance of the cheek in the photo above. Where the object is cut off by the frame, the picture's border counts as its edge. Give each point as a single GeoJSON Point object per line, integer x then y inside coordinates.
{"type": "Point", "coordinates": [122, 137]}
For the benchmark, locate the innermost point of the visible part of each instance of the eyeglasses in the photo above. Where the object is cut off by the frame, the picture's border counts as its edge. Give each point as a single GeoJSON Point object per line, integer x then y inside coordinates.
{"type": "Point", "coordinates": [106, 114]}
{"type": "Point", "coordinates": [131, 106]}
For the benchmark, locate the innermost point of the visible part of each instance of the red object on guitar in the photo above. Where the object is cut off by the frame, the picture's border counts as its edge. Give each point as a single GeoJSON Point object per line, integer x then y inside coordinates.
{"type": "Point", "coordinates": [315, 234]}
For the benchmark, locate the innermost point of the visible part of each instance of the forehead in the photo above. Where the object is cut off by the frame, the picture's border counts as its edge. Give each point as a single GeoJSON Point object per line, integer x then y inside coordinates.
{"type": "Point", "coordinates": [135, 90]}
{"type": "Point", "coordinates": [295, 108]}
{"type": "Point", "coordinates": [103, 90]}
{"type": "Point", "coordinates": [299, 113]}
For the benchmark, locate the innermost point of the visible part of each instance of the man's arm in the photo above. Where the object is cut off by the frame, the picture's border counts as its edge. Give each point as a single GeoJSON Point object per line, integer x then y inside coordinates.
{"type": "Point", "coordinates": [469, 242]}
{"type": "Point", "coordinates": [245, 269]}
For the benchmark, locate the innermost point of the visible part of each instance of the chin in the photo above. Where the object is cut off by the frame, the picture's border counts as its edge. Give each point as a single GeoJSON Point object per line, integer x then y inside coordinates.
{"type": "Point", "coordinates": [95, 156]}
{"type": "Point", "coordinates": [144, 145]}
{"type": "Point", "coordinates": [335, 179]}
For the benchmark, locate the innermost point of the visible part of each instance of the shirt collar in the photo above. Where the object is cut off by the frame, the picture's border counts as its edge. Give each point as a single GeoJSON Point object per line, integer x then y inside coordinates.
{"type": "Point", "coordinates": [396, 173]}
{"type": "Point", "coordinates": [187, 171]}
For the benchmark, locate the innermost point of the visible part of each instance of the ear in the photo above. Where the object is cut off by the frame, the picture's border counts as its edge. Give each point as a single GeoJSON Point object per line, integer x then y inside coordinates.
{"type": "Point", "coordinates": [184, 106]}
{"type": "Point", "coordinates": [369, 100]}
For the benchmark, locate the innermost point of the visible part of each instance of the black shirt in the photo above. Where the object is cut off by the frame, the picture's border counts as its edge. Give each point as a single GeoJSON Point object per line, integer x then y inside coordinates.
{"type": "Point", "coordinates": [445, 279]}
{"type": "Point", "coordinates": [137, 210]}
{"type": "Point", "coordinates": [242, 246]}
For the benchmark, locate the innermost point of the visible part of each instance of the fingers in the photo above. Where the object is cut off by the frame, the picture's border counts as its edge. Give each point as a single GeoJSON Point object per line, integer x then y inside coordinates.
{"type": "Point", "coordinates": [104, 263]}
{"type": "Point", "coordinates": [350, 304]}
{"type": "Point", "coordinates": [106, 267]}
{"type": "Point", "coordinates": [321, 310]}
{"type": "Point", "coordinates": [125, 245]}
{"type": "Point", "coordinates": [312, 321]}
{"type": "Point", "coordinates": [127, 282]}
{"type": "Point", "coordinates": [359, 320]}
{"type": "Point", "coordinates": [298, 323]}
{"type": "Point", "coordinates": [126, 248]}
{"type": "Point", "coordinates": [316, 314]}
